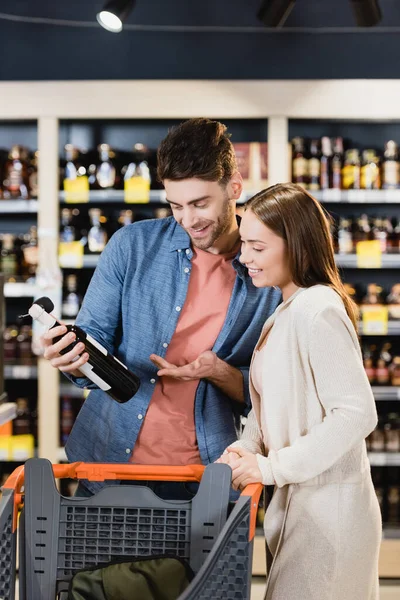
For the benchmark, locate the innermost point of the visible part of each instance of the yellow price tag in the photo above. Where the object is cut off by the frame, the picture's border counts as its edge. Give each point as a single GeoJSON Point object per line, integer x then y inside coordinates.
{"type": "Point", "coordinates": [70, 255]}
{"type": "Point", "coordinates": [369, 255]}
{"type": "Point", "coordinates": [77, 190]}
{"type": "Point", "coordinates": [137, 190]}
{"type": "Point", "coordinates": [375, 320]}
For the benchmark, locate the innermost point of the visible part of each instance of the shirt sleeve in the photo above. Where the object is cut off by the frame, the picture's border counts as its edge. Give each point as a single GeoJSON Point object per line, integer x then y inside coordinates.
{"type": "Point", "coordinates": [345, 395]}
{"type": "Point", "coordinates": [100, 314]}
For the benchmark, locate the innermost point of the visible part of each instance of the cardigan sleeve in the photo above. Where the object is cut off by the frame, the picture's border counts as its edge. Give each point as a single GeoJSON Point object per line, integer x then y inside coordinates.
{"type": "Point", "coordinates": [251, 438]}
{"type": "Point", "coordinates": [345, 395]}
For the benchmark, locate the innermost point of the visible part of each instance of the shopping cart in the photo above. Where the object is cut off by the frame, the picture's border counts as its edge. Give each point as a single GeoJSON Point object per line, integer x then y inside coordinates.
{"type": "Point", "coordinates": [59, 536]}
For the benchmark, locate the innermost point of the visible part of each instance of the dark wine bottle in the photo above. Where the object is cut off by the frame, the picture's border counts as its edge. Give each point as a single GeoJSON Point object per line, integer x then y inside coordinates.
{"type": "Point", "coordinates": [106, 371]}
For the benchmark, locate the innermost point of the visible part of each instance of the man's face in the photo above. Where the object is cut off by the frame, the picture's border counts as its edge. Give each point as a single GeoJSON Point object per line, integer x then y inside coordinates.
{"type": "Point", "coordinates": [205, 209]}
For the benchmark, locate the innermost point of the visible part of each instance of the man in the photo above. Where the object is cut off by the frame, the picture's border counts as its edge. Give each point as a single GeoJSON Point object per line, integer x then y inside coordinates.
{"type": "Point", "coordinates": [171, 300]}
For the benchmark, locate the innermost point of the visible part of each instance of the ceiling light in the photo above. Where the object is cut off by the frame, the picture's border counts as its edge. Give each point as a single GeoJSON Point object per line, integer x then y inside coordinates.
{"type": "Point", "coordinates": [114, 13]}
{"type": "Point", "coordinates": [366, 12]}
{"type": "Point", "coordinates": [273, 13]}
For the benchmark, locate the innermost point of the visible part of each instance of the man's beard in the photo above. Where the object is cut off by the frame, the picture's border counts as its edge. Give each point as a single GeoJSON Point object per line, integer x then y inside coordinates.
{"type": "Point", "coordinates": [218, 228]}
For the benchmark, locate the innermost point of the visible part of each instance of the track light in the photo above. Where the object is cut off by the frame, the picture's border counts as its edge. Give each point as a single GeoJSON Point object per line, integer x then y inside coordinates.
{"type": "Point", "coordinates": [366, 12]}
{"type": "Point", "coordinates": [273, 13]}
{"type": "Point", "coordinates": [114, 13]}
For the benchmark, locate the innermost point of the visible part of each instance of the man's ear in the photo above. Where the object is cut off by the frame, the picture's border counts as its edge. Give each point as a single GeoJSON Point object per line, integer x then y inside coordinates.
{"type": "Point", "coordinates": [236, 186]}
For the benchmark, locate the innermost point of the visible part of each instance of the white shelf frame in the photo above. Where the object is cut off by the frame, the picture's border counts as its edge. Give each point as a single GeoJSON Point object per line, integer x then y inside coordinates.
{"type": "Point", "coordinates": [273, 100]}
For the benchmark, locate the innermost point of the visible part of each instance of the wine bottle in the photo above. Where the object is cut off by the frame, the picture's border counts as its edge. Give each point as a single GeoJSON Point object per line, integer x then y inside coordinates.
{"type": "Point", "coordinates": [106, 371]}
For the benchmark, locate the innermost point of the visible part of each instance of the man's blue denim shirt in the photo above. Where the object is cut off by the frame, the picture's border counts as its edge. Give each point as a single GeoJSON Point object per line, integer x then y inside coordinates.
{"type": "Point", "coordinates": [132, 306]}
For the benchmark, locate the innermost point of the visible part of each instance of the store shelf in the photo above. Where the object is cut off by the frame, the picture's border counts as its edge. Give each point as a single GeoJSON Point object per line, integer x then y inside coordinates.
{"type": "Point", "coordinates": [358, 196]}
{"type": "Point", "coordinates": [118, 196]}
{"type": "Point", "coordinates": [384, 459]}
{"type": "Point", "coordinates": [20, 372]}
{"type": "Point", "coordinates": [393, 329]}
{"type": "Point", "coordinates": [8, 412]}
{"type": "Point", "coordinates": [386, 392]}
{"type": "Point", "coordinates": [18, 206]}
{"type": "Point", "coordinates": [20, 290]}
{"type": "Point", "coordinates": [156, 197]}
{"type": "Point", "coordinates": [389, 261]}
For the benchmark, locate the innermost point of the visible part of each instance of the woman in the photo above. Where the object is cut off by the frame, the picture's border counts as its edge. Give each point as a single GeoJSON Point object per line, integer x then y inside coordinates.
{"type": "Point", "coordinates": [312, 409]}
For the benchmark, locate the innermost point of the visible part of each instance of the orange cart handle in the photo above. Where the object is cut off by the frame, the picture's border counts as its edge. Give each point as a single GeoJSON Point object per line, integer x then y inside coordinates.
{"type": "Point", "coordinates": [113, 471]}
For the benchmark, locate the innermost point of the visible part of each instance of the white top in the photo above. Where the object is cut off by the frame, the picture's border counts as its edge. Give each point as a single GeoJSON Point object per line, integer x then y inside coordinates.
{"type": "Point", "coordinates": [315, 397]}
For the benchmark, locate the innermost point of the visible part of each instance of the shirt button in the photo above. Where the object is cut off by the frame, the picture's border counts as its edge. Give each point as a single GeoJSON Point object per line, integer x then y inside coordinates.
{"type": "Point", "coordinates": [152, 381]}
{"type": "Point", "coordinates": [128, 450]}
{"type": "Point", "coordinates": [178, 309]}
{"type": "Point", "coordinates": [186, 270]}
{"type": "Point", "coordinates": [179, 250]}
{"type": "Point", "coordinates": [140, 417]}
{"type": "Point", "coordinates": [165, 345]}
{"type": "Point", "coordinates": [187, 250]}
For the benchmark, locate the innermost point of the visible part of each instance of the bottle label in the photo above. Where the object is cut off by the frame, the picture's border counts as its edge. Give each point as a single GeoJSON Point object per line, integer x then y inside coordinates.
{"type": "Point", "coordinates": [370, 177]}
{"type": "Point", "coordinates": [137, 190]}
{"type": "Point", "coordinates": [345, 241]}
{"type": "Point", "coordinates": [390, 174]}
{"type": "Point", "coordinates": [77, 190]}
{"type": "Point", "coordinates": [15, 178]}
{"type": "Point", "coordinates": [300, 167]}
{"type": "Point", "coordinates": [314, 167]}
{"type": "Point", "coordinates": [375, 320]}
{"type": "Point", "coordinates": [350, 177]}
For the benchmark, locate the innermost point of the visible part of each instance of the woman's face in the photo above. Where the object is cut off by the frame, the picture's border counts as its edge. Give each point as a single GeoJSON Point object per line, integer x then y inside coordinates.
{"type": "Point", "coordinates": [263, 253]}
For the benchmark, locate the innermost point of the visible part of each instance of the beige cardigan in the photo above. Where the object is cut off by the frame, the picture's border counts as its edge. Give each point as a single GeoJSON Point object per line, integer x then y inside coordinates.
{"type": "Point", "coordinates": [323, 524]}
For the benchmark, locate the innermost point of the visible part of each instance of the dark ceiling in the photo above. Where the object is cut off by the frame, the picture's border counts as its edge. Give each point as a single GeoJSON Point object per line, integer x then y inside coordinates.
{"type": "Point", "coordinates": [44, 51]}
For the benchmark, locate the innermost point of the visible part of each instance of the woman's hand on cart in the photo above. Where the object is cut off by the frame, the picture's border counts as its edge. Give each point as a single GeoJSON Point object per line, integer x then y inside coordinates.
{"type": "Point", "coordinates": [244, 467]}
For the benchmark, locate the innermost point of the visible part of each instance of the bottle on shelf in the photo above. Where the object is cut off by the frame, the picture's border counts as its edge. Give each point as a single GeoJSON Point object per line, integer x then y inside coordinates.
{"type": "Point", "coordinates": [393, 301]}
{"type": "Point", "coordinates": [125, 218]}
{"type": "Point", "coordinates": [314, 166]}
{"type": "Point", "coordinates": [67, 232]}
{"type": "Point", "coordinates": [395, 371]}
{"type": "Point", "coordinates": [16, 174]}
{"type": "Point", "coordinates": [72, 302]}
{"type": "Point", "coordinates": [370, 171]}
{"type": "Point", "coordinates": [22, 424]}
{"type": "Point", "coordinates": [10, 344]}
{"type": "Point", "coordinates": [9, 258]}
{"type": "Point", "coordinates": [373, 295]}
{"type": "Point", "coordinates": [380, 233]}
{"type": "Point", "coordinates": [351, 170]}
{"type": "Point", "coordinates": [30, 255]}
{"type": "Point", "coordinates": [326, 154]}
{"type": "Point", "coordinates": [33, 175]}
{"type": "Point", "coordinates": [97, 235]}
{"type": "Point", "coordinates": [299, 162]}
{"type": "Point", "coordinates": [24, 345]}
{"type": "Point", "coordinates": [390, 166]}
{"type": "Point", "coordinates": [362, 231]}
{"type": "Point", "coordinates": [138, 168]}
{"type": "Point", "coordinates": [377, 437]}
{"type": "Point", "coordinates": [392, 433]}
{"type": "Point", "coordinates": [103, 176]}
{"type": "Point", "coordinates": [337, 164]}
{"type": "Point", "coordinates": [345, 237]}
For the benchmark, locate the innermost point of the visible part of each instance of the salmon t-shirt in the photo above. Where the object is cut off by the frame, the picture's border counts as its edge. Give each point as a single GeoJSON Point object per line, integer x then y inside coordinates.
{"type": "Point", "coordinates": [168, 434]}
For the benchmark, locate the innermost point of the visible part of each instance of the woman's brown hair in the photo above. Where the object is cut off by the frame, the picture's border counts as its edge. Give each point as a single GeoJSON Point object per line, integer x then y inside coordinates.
{"type": "Point", "coordinates": [293, 214]}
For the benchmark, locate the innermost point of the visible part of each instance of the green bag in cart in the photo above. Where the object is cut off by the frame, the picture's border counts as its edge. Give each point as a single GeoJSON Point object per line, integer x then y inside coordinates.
{"type": "Point", "coordinates": [145, 578]}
